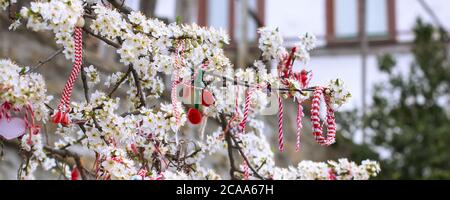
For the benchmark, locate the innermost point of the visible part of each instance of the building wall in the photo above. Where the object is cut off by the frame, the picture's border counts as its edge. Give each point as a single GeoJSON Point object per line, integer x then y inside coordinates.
{"type": "Point", "coordinates": [299, 16]}
{"type": "Point", "coordinates": [295, 17]}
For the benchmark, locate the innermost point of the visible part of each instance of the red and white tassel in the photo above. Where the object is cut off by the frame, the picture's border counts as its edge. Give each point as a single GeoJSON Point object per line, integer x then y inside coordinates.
{"type": "Point", "coordinates": [304, 78]}
{"type": "Point", "coordinates": [30, 124]}
{"type": "Point", "coordinates": [315, 118]}
{"type": "Point", "coordinates": [280, 124]}
{"type": "Point", "coordinates": [61, 115]}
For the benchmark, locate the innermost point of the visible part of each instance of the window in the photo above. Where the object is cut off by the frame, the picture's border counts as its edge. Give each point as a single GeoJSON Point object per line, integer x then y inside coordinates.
{"type": "Point", "coordinates": [226, 14]}
{"type": "Point", "coordinates": [343, 20]}
{"type": "Point", "coordinates": [218, 14]}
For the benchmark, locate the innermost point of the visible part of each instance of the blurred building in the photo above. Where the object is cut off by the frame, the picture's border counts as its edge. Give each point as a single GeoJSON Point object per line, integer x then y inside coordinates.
{"type": "Point", "coordinates": [389, 26]}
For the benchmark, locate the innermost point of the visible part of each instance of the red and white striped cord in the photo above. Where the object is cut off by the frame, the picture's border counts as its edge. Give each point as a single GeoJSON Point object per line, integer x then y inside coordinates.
{"type": "Point", "coordinates": [176, 111]}
{"type": "Point", "coordinates": [280, 124]}
{"type": "Point", "coordinates": [61, 115]}
{"type": "Point", "coordinates": [246, 171]}
{"type": "Point", "coordinates": [331, 122]}
{"type": "Point", "coordinates": [246, 108]}
{"type": "Point", "coordinates": [317, 127]}
{"type": "Point", "coordinates": [176, 81]}
{"type": "Point", "coordinates": [304, 80]}
{"type": "Point", "coordinates": [300, 116]}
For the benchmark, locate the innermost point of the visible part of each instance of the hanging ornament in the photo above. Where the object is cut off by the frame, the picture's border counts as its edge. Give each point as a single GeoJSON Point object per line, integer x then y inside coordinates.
{"type": "Point", "coordinates": [15, 127]}
{"type": "Point", "coordinates": [12, 128]}
{"type": "Point", "coordinates": [194, 115]}
{"type": "Point", "coordinates": [315, 118]}
{"type": "Point", "coordinates": [246, 108]}
{"type": "Point", "coordinates": [280, 125]}
{"type": "Point", "coordinates": [303, 78]}
{"type": "Point", "coordinates": [61, 115]}
{"type": "Point", "coordinates": [193, 92]}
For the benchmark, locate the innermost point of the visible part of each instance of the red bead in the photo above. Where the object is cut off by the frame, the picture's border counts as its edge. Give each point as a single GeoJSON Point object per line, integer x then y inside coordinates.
{"type": "Point", "coordinates": [194, 116]}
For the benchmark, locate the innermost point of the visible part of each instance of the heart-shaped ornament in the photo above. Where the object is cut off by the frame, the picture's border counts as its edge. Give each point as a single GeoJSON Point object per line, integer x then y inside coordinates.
{"type": "Point", "coordinates": [12, 129]}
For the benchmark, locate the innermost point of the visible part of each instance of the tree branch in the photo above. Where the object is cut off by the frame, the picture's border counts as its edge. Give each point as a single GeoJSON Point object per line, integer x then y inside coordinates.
{"type": "Point", "coordinates": [230, 139]}
{"type": "Point", "coordinates": [67, 153]}
{"type": "Point", "coordinates": [138, 87]}
{"type": "Point", "coordinates": [85, 85]}
{"type": "Point", "coordinates": [55, 153]}
{"type": "Point", "coordinates": [48, 59]}
{"type": "Point", "coordinates": [229, 142]}
{"type": "Point", "coordinates": [107, 41]}
{"type": "Point", "coordinates": [120, 5]}
{"type": "Point", "coordinates": [124, 77]}
{"type": "Point", "coordinates": [255, 172]}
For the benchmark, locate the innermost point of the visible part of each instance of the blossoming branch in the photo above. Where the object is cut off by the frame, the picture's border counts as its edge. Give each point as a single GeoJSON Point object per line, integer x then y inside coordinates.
{"type": "Point", "coordinates": [154, 142]}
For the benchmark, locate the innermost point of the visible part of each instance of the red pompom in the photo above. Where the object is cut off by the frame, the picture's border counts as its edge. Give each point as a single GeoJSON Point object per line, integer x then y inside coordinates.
{"type": "Point", "coordinates": [56, 118]}
{"type": "Point", "coordinates": [65, 121]}
{"type": "Point", "coordinates": [207, 98]}
{"type": "Point", "coordinates": [194, 116]}
{"type": "Point", "coordinates": [75, 174]}
{"type": "Point", "coordinates": [61, 118]}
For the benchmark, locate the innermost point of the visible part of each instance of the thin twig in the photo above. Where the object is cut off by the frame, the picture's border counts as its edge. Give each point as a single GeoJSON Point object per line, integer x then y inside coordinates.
{"type": "Point", "coordinates": [107, 41]}
{"type": "Point", "coordinates": [255, 172]}
{"type": "Point", "coordinates": [76, 142]}
{"type": "Point", "coordinates": [120, 6]}
{"type": "Point", "coordinates": [262, 165]}
{"type": "Point", "coordinates": [124, 77]}
{"type": "Point", "coordinates": [229, 142]}
{"type": "Point", "coordinates": [67, 153]}
{"type": "Point", "coordinates": [85, 85]}
{"type": "Point", "coordinates": [137, 83]}
{"type": "Point", "coordinates": [48, 59]}
{"type": "Point", "coordinates": [55, 153]}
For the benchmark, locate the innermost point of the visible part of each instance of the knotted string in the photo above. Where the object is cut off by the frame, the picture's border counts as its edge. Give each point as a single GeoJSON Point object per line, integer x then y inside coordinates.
{"type": "Point", "coordinates": [330, 121]}
{"type": "Point", "coordinates": [61, 115]}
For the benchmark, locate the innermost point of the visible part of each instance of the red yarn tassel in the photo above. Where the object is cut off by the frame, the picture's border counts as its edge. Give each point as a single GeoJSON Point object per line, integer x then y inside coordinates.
{"type": "Point", "coordinates": [61, 115]}
{"type": "Point", "coordinates": [75, 174]}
